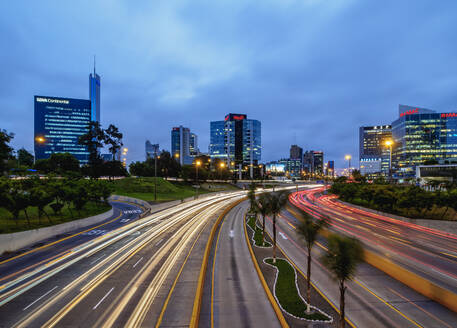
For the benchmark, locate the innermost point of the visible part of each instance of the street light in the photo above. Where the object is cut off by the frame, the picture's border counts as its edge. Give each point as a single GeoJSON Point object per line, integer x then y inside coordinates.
{"type": "Point", "coordinates": [40, 139]}
{"type": "Point", "coordinates": [197, 164]}
{"type": "Point", "coordinates": [155, 176]}
{"type": "Point", "coordinates": [348, 158]}
{"type": "Point", "coordinates": [389, 144]}
{"type": "Point", "coordinates": [221, 166]}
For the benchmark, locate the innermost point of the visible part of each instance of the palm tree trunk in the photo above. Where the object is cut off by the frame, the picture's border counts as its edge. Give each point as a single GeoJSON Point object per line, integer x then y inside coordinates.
{"type": "Point", "coordinates": [274, 238]}
{"type": "Point", "coordinates": [263, 230]}
{"type": "Point", "coordinates": [308, 282]}
{"type": "Point", "coordinates": [49, 219]}
{"type": "Point", "coordinates": [342, 314]}
{"type": "Point", "coordinates": [445, 211]}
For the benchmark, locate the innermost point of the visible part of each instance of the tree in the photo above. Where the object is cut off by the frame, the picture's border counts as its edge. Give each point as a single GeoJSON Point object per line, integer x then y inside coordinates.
{"type": "Point", "coordinates": [308, 230]}
{"type": "Point", "coordinates": [262, 207]}
{"type": "Point", "coordinates": [93, 140]}
{"type": "Point", "coordinates": [277, 202]}
{"type": "Point", "coordinates": [40, 198]}
{"type": "Point", "coordinates": [113, 138]}
{"type": "Point", "coordinates": [342, 258]}
{"type": "Point", "coordinates": [251, 196]}
{"type": "Point", "coordinates": [24, 157]}
{"type": "Point", "coordinates": [6, 152]}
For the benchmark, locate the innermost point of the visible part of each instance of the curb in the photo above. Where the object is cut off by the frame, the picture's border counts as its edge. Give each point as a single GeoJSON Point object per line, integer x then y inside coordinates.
{"type": "Point", "coordinates": [270, 296]}
{"type": "Point", "coordinates": [201, 277]}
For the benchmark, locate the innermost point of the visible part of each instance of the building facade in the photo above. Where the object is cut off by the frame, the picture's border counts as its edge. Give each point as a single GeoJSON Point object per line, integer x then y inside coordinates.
{"type": "Point", "coordinates": [58, 124]}
{"type": "Point", "coordinates": [422, 135]}
{"type": "Point", "coordinates": [313, 162]}
{"type": "Point", "coordinates": [151, 150]}
{"type": "Point", "coordinates": [180, 145]}
{"type": "Point", "coordinates": [193, 144]}
{"type": "Point", "coordinates": [94, 96]}
{"type": "Point", "coordinates": [236, 140]}
{"type": "Point", "coordinates": [374, 155]}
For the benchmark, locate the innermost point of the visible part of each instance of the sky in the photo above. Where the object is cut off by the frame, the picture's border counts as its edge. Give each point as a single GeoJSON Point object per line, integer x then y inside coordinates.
{"type": "Point", "coordinates": [312, 71]}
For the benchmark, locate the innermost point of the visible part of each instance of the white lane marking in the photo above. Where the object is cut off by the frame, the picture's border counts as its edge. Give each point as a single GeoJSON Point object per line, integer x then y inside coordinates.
{"type": "Point", "coordinates": [159, 242]}
{"type": "Point", "coordinates": [97, 259]}
{"type": "Point", "coordinates": [39, 298]}
{"type": "Point", "coordinates": [137, 262]}
{"type": "Point", "coordinates": [282, 235]}
{"type": "Point", "coordinates": [132, 211]}
{"type": "Point", "coordinates": [231, 234]}
{"type": "Point", "coordinates": [99, 302]}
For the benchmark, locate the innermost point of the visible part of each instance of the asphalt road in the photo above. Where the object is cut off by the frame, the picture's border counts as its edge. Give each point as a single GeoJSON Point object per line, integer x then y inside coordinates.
{"type": "Point", "coordinates": [236, 298]}
{"type": "Point", "coordinates": [373, 298]}
{"type": "Point", "coordinates": [429, 253]}
{"type": "Point", "coordinates": [113, 279]}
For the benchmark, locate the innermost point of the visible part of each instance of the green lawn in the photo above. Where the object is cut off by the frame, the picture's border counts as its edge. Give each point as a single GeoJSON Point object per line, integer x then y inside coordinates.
{"type": "Point", "coordinates": [8, 224]}
{"type": "Point", "coordinates": [143, 188]}
{"type": "Point", "coordinates": [257, 233]}
{"type": "Point", "coordinates": [287, 293]}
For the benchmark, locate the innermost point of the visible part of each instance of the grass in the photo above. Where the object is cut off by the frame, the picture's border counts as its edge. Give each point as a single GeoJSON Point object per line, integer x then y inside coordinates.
{"type": "Point", "coordinates": [287, 293]}
{"type": "Point", "coordinates": [257, 233]}
{"type": "Point", "coordinates": [143, 188]}
{"type": "Point", "coordinates": [9, 225]}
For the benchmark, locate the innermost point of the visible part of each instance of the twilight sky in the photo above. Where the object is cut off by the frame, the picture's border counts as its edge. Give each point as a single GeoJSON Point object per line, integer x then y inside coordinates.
{"type": "Point", "coordinates": [312, 71]}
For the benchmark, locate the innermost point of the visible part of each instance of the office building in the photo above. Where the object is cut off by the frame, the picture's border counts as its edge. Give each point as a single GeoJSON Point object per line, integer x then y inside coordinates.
{"type": "Point", "coordinates": [180, 145]}
{"type": "Point", "coordinates": [193, 144]}
{"type": "Point", "coordinates": [422, 135]}
{"type": "Point", "coordinates": [94, 95]}
{"type": "Point", "coordinates": [296, 152]}
{"type": "Point", "coordinates": [236, 140]}
{"type": "Point", "coordinates": [373, 153]}
{"type": "Point", "coordinates": [313, 162]}
{"type": "Point", "coordinates": [330, 170]}
{"type": "Point", "coordinates": [58, 124]}
{"type": "Point", "coordinates": [151, 150]}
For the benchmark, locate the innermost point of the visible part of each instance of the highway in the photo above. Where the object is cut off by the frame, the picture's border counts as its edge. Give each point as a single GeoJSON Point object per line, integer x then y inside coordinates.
{"type": "Point", "coordinates": [117, 278]}
{"type": "Point", "coordinates": [235, 296]}
{"type": "Point", "coordinates": [373, 299]}
{"type": "Point", "coordinates": [429, 253]}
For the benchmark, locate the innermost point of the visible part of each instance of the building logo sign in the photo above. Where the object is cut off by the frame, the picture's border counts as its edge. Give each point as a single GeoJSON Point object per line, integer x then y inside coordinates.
{"type": "Point", "coordinates": [52, 100]}
{"type": "Point", "coordinates": [448, 115]}
{"type": "Point", "coordinates": [235, 117]}
{"type": "Point", "coordinates": [410, 112]}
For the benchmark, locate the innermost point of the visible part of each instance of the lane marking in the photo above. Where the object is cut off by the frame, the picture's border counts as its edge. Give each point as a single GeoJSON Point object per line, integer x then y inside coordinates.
{"type": "Point", "coordinates": [423, 310]}
{"type": "Point", "coordinates": [138, 262]}
{"type": "Point", "coordinates": [39, 298]}
{"type": "Point", "coordinates": [448, 254]}
{"type": "Point", "coordinates": [231, 234]}
{"type": "Point", "coordinates": [159, 242]}
{"type": "Point", "coordinates": [99, 302]}
{"type": "Point", "coordinates": [97, 259]}
{"type": "Point", "coordinates": [282, 235]}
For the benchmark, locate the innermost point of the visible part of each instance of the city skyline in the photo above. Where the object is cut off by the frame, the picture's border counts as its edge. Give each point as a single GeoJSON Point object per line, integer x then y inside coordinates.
{"type": "Point", "coordinates": [367, 65]}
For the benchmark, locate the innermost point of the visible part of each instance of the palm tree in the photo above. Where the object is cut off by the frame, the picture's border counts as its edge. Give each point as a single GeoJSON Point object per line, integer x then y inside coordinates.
{"type": "Point", "coordinates": [262, 206]}
{"type": "Point", "coordinates": [251, 196]}
{"type": "Point", "coordinates": [277, 202]}
{"type": "Point", "coordinates": [342, 258]}
{"type": "Point", "coordinates": [308, 230]}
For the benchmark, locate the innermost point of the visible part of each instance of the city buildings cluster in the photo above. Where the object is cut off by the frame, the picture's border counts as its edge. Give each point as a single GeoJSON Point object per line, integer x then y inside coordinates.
{"type": "Point", "coordinates": [418, 137]}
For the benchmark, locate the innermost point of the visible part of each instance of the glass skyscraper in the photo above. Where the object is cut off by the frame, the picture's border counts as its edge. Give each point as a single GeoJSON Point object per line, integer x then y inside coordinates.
{"type": "Point", "coordinates": [374, 155]}
{"type": "Point", "coordinates": [422, 135]}
{"type": "Point", "coordinates": [94, 96]}
{"type": "Point", "coordinates": [181, 145]}
{"type": "Point", "coordinates": [237, 140]}
{"type": "Point", "coordinates": [59, 122]}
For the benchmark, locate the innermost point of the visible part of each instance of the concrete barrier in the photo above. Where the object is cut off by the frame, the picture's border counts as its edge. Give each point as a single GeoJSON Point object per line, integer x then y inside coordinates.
{"type": "Point", "coordinates": [13, 241]}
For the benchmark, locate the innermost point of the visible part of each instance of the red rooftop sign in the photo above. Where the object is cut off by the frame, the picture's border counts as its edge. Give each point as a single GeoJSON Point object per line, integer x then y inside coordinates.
{"type": "Point", "coordinates": [410, 112]}
{"type": "Point", "coordinates": [446, 115]}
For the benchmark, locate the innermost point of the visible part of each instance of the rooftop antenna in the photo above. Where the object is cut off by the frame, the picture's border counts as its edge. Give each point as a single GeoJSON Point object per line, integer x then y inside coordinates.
{"type": "Point", "coordinates": [94, 65]}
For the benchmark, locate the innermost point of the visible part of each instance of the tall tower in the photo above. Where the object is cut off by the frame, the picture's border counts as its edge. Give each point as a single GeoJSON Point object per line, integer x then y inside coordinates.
{"type": "Point", "coordinates": [94, 95]}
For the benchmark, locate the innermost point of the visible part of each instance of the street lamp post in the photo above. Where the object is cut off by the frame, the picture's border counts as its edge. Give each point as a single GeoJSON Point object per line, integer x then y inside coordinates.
{"type": "Point", "coordinates": [348, 158]}
{"type": "Point", "coordinates": [389, 144]}
{"type": "Point", "coordinates": [197, 164]}
{"type": "Point", "coordinates": [155, 176]}
{"type": "Point", "coordinates": [221, 166]}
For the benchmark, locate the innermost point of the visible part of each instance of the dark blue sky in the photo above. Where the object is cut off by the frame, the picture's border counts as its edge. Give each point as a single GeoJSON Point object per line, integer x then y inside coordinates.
{"type": "Point", "coordinates": [311, 71]}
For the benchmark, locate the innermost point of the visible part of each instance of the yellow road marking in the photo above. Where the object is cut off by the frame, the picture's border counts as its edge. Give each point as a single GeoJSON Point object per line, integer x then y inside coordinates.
{"type": "Point", "coordinates": [212, 274]}
{"type": "Point", "coordinates": [452, 255]}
